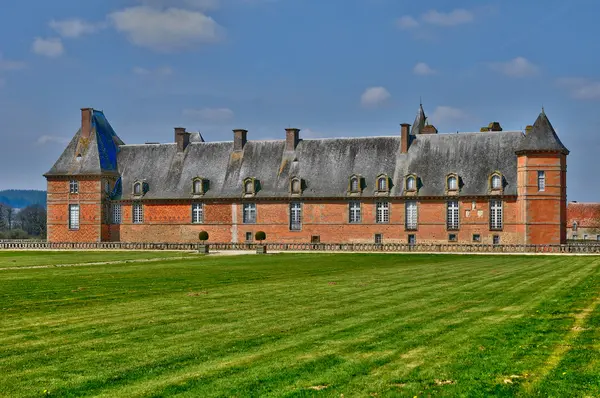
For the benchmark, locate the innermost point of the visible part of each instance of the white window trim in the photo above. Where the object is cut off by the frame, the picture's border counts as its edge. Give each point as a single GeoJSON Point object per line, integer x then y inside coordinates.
{"type": "Point", "coordinates": [116, 214]}
{"type": "Point", "coordinates": [73, 186]}
{"type": "Point", "coordinates": [411, 219]}
{"type": "Point", "coordinates": [197, 213]}
{"type": "Point", "coordinates": [382, 212]}
{"type": "Point", "coordinates": [74, 217]}
{"type": "Point", "coordinates": [541, 180]}
{"type": "Point", "coordinates": [497, 178]}
{"type": "Point", "coordinates": [249, 213]}
{"type": "Point", "coordinates": [137, 213]}
{"type": "Point", "coordinates": [452, 215]}
{"type": "Point", "coordinates": [295, 216]}
{"type": "Point", "coordinates": [354, 212]}
{"type": "Point", "coordinates": [496, 215]}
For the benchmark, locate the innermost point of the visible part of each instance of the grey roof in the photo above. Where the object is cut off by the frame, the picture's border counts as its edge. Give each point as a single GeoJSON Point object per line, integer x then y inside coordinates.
{"type": "Point", "coordinates": [324, 164]}
{"type": "Point", "coordinates": [419, 122]}
{"type": "Point", "coordinates": [542, 137]}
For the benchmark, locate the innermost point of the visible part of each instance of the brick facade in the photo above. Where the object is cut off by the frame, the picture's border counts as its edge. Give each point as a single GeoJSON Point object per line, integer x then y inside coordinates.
{"type": "Point", "coordinates": [583, 221]}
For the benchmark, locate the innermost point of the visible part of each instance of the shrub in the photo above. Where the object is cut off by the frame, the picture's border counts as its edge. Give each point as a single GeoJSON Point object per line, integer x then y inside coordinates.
{"type": "Point", "coordinates": [260, 236]}
{"type": "Point", "coordinates": [203, 236]}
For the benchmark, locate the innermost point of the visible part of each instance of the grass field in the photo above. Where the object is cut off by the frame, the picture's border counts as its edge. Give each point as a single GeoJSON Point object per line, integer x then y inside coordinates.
{"type": "Point", "coordinates": [299, 325]}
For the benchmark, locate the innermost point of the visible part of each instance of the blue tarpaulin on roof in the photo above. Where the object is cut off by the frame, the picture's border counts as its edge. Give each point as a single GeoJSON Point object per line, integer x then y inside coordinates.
{"type": "Point", "coordinates": [106, 137]}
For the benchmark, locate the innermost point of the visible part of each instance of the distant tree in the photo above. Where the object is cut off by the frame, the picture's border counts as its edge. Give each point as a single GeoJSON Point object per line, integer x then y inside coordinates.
{"type": "Point", "coordinates": [3, 221]}
{"type": "Point", "coordinates": [32, 220]}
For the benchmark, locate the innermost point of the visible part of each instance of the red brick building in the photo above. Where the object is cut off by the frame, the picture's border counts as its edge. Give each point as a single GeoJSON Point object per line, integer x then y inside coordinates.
{"type": "Point", "coordinates": [491, 186]}
{"type": "Point", "coordinates": [583, 221]}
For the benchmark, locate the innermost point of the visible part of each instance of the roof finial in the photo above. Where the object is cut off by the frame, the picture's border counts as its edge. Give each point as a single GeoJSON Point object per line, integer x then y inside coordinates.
{"type": "Point", "coordinates": [420, 101]}
{"type": "Point", "coordinates": [543, 113]}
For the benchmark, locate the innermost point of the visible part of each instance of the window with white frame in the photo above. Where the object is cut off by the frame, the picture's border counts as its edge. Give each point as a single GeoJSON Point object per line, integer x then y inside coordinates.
{"type": "Point", "coordinates": [496, 214]}
{"type": "Point", "coordinates": [452, 215]}
{"type": "Point", "coordinates": [137, 188]}
{"type": "Point", "coordinates": [354, 184]}
{"type": "Point", "coordinates": [73, 216]}
{"type": "Point", "coordinates": [116, 213]}
{"type": "Point", "coordinates": [296, 186]}
{"type": "Point", "coordinates": [197, 186]}
{"type": "Point", "coordinates": [354, 212]}
{"type": "Point", "coordinates": [138, 213]}
{"type": "Point", "coordinates": [249, 187]}
{"type": "Point", "coordinates": [382, 212]}
{"type": "Point", "coordinates": [452, 183]}
{"type": "Point", "coordinates": [541, 180]}
{"type": "Point", "coordinates": [197, 213]}
{"type": "Point", "coordinates": [411, 183]}
{"type": "Point", "coordinates": [249, 213]}
{"type": "Point", "coordinates": [496, 182]}
{"type": "Point", "coordinates": [411, 215]}
{"type": "Point", "coordinates": [73, 186]}
{"type": "Point", "coordinates": [382, 184]}
{"type": "Point", "coordinates": [295, 216]}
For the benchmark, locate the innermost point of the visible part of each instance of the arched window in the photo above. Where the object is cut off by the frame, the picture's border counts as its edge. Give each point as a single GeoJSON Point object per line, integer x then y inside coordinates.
{"type": "Point", "coordinates": [137, 188]}
{"type": "Point", "coordinates": [296, 185]}
{"type": "Point", "coordinates": [354, 185]}
{"type": "Point", "coordinates": [411, 183]}
{"type": "Point", "coordinates": [496, 182]}
{"type": "Point", "coordinates": [249, 186]}
{"type": "Point", "coordinates": [452, 183]}
{"type": "Point", "coordinates": [197, 186]}
{"type": "Point", "coordinates": [382, 184]}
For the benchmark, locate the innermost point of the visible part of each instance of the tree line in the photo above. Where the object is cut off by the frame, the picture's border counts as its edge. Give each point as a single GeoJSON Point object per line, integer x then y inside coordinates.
{"type": "Point", "coordinates": [29, 222]}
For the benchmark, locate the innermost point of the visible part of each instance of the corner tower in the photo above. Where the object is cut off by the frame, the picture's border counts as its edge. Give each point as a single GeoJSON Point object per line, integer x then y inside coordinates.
{"type": "Point", "coordinates": [542, 184]}
{"type": "Point", "coordinates": [81, 182]}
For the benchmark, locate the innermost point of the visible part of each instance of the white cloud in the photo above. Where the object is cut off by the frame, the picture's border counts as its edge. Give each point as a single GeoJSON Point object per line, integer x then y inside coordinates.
{"type": "Point", "coordinates": [210, 114]}
{"type": "Point", "coordinates": [162, 71]}
{"type": "Point", "coordinates": [407, 22]}
{"type": "Point", "coordinates": [517, 67]}
{"type": "Point", "coordinates": [52, 139]}
{"type": "Point", "coordinates": [7, 64]}
{"type": "Point", "coordinates": [73, 28]}
{"type": "Point", "coordinates": [452, 18]}
{"type": "Point", "coordinates": [198, 4]}
{"type": "Point", "coordinates": [423, 69]}
{"type": "Point", "coordinates": [167, 30]}
{"type": "Point", "coordinates": [51, 47]}
{"type": "Point", "coordinates": [581, 88]}
{"type": "Point", "coordinates": [374, 96]}
{"type": "Point", "coordinates": [446, 114]}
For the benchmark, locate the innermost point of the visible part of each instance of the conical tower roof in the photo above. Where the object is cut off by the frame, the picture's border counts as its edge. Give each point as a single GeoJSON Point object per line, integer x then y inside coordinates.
{"type": "Point", "coordinates": [542, 138]}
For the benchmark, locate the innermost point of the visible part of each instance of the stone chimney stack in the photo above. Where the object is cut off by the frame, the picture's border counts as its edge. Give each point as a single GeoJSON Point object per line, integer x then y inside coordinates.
{"type": "Point", "coordinates": [404, 137]}
{"type": "Point", "coordinates": [182, 138]}
{"type": "Point", "coordinates": [86, 122]}
{"type": "Point", "coordinates": [239, 139]}
{"type": "Point", "coordinates": [292, 136]}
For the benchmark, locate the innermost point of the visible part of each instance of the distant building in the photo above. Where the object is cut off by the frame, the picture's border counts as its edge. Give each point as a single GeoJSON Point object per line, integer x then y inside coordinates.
{"type": "Point", "coordinates": [583, 221]}
{"type": "Point", "coordinates": [418, 186]}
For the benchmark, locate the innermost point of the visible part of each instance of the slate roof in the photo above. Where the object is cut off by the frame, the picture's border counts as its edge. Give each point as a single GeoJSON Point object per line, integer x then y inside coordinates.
{"type": "Point", "coordinates": [542, 138]}
{"type": "Point", "coordinates": [325, 165]}
{"type": "Point", "coordinates": [98, 155]}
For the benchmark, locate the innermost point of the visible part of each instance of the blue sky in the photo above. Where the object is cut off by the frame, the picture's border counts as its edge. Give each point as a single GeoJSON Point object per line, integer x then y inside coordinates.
{"type": "Point", "coordinates": [331, 68]}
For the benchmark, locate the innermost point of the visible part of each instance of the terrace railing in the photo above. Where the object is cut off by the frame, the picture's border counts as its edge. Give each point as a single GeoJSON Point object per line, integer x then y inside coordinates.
{"type": "Point", "coordinates": [321, 247]}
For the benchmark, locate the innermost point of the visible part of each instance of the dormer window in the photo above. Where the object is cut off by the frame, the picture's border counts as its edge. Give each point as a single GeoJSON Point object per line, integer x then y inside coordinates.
{"type": "Point", "coordinates": [250, 186]}
{"type": "Point", "coordinates": [355, 185]}
{"type": "Point", "coordinates": [137, 188]}
{"type": "Point", "coordinates": [295, 186]}
{"type": "Point", "coordinates": [496, 182]}
{"type": "Point", "coordinates": [452, 183]}
{"type": "Point", "coordinates": [575, 226]}
{"type": "Point", "coordinates": [383, 183]}
{"type": "Point", "coordinates": [410, 184]}
{"type": "Point", "coordinates": [199, 186]}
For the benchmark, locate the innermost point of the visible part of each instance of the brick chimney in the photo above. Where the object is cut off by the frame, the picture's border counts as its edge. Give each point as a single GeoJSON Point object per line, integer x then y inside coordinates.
{"type": "Point", "coordinates": [404, 137]}
{"type": "Point", "coordinates": [292, 136]}
{"type": "Point", "coordinates": [493, 126]}
{"type": "Point", "coordinates": [428, 129]}
{"type": "Point", "coordinates": [528, 129]}
{"type": "Point", "coordinates": [86, 122]}
{"type": "Point", "coordinates": [182, 138]}
{"type": "Point", "coordinates": [239, 139]}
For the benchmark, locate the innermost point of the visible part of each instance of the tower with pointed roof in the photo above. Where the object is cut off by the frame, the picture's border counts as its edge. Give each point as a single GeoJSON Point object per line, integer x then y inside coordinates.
{"type": "Point", "coordinates": [542, 184]}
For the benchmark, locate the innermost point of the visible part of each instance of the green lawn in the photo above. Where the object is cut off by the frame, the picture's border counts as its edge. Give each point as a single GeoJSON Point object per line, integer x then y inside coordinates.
{"type": "Point", "coordinates": [45, 258]}
{"type": "Point", "coordinates": [299, 325]}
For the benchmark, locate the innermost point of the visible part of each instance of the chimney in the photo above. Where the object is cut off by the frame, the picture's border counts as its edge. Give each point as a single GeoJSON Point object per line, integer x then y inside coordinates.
{"type": "Point", "coordinates": [404, 138]}
{"type": "Point", "coordinates": [493, 126]}
{"type": "Point", "coordinates": [292, 136]}
{"type": "Point", "coordinates": [239, 139]}
{"type": "Point", "coordinates": [86, 122]}
{"type": "Point", "coordinates": [528, 129]}
{"type": "Point", "coordinates": [182, 138]}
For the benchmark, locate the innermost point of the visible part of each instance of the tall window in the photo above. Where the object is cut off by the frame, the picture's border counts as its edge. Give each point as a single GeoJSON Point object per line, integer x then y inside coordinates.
{"type": "Point", "coordinates": [411, 215]}
{"type": "Point", "coordinates": [411, 184]}
{"type": "Point", "coordinates": [296, 185]}
{"type": "Point", "coordinates": [354, 215]}
{"type": "Point", "coordinates": [382, 213]}
{"type": "Point", "coordinates": [197, 213]}
{"type": "Point", "coordinates": [116, 213]}
{"type": "Point", "coordinates": [295, 216]}
{"type": "Point", "coordinates": [496, 214]}
{"type": "Point", "coordinates": [452, 215]}
{"type": "Point", "coordinates": [249, 187]}
{"type": "Point", "coordinates": [541, 180]}
{"type": "Point", "coordinates": [452, 183]}
{"type": "Point", "coordinates": [382, 184]}
{"type": "Point", "coordinates": [74, 186]}
{"type": "Point", "coordinates": [138, 213]}
{"type": "Point", "coordinates": [249, 213]}
{"type": "Point", "coordinates": [73, 216]}
{"type": "Point", "coordinates": [496, 182]}
{"type": "Point", "coordinates": [137, 188]}
{"type": "Point", "coordinates": [197, 186]}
